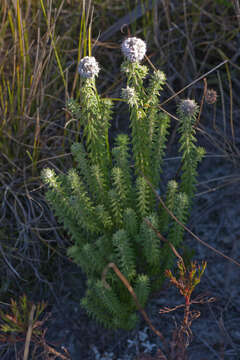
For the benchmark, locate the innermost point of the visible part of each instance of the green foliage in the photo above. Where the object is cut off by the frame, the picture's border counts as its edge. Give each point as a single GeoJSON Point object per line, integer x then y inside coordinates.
{"type": "Point", "coordinates": [130, 222]}
{"type": "Point", "coordinates": [180, 211]}
{"type": "Point", "coordinates": [188, 277]}
{"type": "Point", "coordinates": [150, 242]}
{"type": "Point", "coordinates": [225, 3]}
{"type": "Point", "coordinates": [18, 320]}
{"type": "Point", "coordinates": [191, 154]}
{"type": "Point", "coordinates": [159, 146]}
{"type": "Point", "coordinates": [142, 288]}
{"type": "Point", "coordinates": [121, 156]}
{"type": "Point", "coordinates": [104, 201]}
{"type": "Point", "coordinates": [93, 115]}
{"type": "Point", "coordinates": [125, 254]}
{"type": "Point", "coordinates": [143, 197]}
{"type": "Point", "coordinates": [172, 188]}
{"type": "Point", "coordinates": [176, 231]}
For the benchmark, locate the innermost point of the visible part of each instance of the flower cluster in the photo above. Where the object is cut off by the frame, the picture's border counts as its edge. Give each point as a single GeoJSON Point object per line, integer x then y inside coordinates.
{"type": "Point", "coordinates": [49, 177]}
{"type": "Point", "coordinates": [48, 174]}
{"type": "Point", "coordinates": [88, 67]}
{"type": "Point", "coordinates": [134, 49]}
{"type": "Point", "coordinates": [129, 94]}
{"type": "Point", "coordinates": [160, 76]}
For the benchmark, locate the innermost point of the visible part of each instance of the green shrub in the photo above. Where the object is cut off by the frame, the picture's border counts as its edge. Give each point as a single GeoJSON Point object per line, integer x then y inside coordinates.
{"type": "Point", "coordinates": [104, 201]}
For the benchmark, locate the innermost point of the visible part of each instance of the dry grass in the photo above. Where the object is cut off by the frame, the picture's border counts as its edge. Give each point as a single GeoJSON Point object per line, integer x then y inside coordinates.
{"type": "Point", "coordinates": [40, 45]}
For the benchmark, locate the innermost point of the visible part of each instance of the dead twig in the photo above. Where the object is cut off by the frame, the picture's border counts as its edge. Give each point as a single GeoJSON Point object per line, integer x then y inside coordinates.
{"type": "Point", "coordinates": [29, 332]}
{"type": "Point", "coordinates": [130, 289]}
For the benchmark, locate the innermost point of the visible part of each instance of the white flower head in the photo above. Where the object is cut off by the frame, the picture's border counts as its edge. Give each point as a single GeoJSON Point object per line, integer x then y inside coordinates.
{"type": "Point", "coordinates": [188, 107]}
{"type": "Point", "coordinates": [48, 174]}
{"type": "Point", "coordinates": [160, 76]}
{"type": "Point", "coordinates": [129, 94]}
{"type": "Point", "coordinates": [134, 49]}
{"type": "Point", "coordinates": [88, 67]}
{"type": "Point", "coordinates": [49, 177]}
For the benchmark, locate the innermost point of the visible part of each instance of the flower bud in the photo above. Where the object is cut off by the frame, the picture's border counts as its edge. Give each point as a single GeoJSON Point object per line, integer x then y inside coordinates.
{"type": "Point", "coordinates": [211, 96]}
{"type": "Point", "coordinates": [188, 107]}
{"type": "Point", "coordinates": [134, 49]}
{"type": "Point", "coordinates": [88, 67]}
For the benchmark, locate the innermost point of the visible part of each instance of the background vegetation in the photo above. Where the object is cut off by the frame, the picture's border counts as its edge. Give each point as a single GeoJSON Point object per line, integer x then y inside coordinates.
{"type": "Point", "coordinates": [41, 43]}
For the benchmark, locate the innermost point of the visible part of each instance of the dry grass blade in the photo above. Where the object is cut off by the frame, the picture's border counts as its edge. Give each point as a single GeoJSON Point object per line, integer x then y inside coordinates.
{"type": "Point", "coordinates": [29, 332]}
{"type": "Point", "coordinates": [51, 34]}
{"type": "Point", "coordinates": [50, 350]}
{"type": "Point", "coordinates": [194, 82]}
{"type": "Point", "coordinates": [9, 264]}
